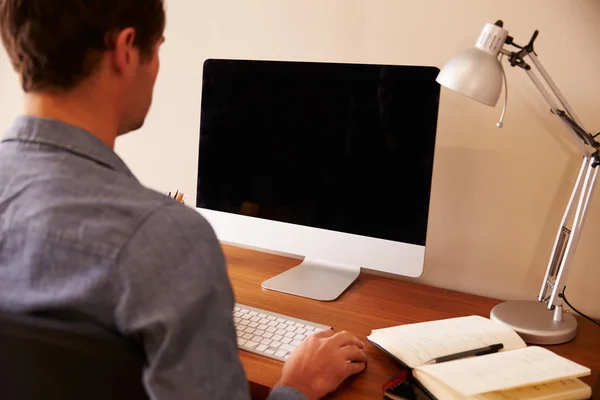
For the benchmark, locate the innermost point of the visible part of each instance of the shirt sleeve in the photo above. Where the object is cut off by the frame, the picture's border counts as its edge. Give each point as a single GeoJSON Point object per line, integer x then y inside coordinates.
{"type": "Point", "coordinates": [175, 297]}
{"type": "Point", "coordinates": [286, 393]}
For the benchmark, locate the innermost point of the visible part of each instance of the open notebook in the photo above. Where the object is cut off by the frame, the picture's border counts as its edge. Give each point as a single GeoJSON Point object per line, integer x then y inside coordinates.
{"type": "Point", "coordinates": [517, 372]}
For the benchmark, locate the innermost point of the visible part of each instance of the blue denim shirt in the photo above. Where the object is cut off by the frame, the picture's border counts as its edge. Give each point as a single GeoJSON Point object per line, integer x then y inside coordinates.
{"type": "Point", "coordinates": [79, 233]}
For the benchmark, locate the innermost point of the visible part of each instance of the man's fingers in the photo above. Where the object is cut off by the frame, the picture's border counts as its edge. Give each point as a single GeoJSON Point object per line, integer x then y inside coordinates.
{"type": "Point", "coordinates": [353, 353]}
{"type": "Point", "coordinates": [324, 334]}
{"type": "Point", "coordinates": [344, 338]}
{"type": "Point", "coordinates": [355, 367]}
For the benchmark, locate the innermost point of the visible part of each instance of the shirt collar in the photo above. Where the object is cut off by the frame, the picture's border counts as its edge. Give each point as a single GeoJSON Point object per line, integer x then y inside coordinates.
{"type": "Point", "coordinates": [66, 137]}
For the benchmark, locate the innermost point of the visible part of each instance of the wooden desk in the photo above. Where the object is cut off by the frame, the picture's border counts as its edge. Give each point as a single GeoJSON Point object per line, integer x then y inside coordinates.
{"type": "Point", "coordinates": [372, 302]}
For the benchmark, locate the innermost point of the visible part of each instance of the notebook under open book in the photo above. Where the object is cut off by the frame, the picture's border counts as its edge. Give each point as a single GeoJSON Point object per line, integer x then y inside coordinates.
{"type": "Point", "coordinates": [517, 372]}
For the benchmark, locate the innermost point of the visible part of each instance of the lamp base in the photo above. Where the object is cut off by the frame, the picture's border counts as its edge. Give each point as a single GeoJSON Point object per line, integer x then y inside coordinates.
{"type": "Point", "coordinates": [534, 322]}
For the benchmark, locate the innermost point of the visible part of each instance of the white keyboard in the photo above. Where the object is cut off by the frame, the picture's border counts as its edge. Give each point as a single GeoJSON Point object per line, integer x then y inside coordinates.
{"type": "Point", "coordinates": [270, 334]}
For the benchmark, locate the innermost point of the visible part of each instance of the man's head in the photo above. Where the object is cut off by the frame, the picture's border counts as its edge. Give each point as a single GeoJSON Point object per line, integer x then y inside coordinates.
{"type": "Point", "coordinates": [102, 48]}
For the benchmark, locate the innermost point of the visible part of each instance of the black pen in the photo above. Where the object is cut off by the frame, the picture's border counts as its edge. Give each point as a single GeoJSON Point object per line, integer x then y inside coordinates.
{"type": "Point", "coordinates": [494, 348]}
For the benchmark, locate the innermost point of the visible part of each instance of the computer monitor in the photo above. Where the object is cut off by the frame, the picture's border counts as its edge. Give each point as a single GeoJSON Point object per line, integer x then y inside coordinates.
{"type": "Point", "coordinates": [327, 161]}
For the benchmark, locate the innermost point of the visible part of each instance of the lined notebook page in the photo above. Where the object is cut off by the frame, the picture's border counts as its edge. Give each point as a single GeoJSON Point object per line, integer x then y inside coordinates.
{"type": "Point", "coordinates": [415, 344]}
{"type": "Point", "coordinates": [566, 389]}
{"type": "Point", "coordinates": [503, 371]}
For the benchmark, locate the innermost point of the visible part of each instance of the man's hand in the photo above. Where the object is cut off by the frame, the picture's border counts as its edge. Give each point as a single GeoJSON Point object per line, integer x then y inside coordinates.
{"type": "Point", "coordinates": [322, 362]}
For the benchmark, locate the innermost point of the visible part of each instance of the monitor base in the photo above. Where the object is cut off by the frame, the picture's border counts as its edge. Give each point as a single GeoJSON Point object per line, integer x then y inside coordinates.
{"type": "Point", "coordinates": [314, 279]}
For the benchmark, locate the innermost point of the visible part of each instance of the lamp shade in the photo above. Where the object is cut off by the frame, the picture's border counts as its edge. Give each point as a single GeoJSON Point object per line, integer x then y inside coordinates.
{"type": "Point", "coordinates": [476, 72]}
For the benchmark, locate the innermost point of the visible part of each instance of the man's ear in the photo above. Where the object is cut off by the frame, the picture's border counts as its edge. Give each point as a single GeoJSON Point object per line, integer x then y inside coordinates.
{"type": "Point", "coordinates": [124, 54]}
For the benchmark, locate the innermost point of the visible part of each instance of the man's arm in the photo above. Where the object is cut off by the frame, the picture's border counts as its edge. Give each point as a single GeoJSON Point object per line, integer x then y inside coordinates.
{"type": "Point", "coordinates": [175, 296]}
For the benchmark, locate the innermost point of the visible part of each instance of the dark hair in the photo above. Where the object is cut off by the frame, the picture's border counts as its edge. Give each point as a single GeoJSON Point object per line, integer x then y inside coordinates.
{"type": "Point", "coordinates": [56, 44]}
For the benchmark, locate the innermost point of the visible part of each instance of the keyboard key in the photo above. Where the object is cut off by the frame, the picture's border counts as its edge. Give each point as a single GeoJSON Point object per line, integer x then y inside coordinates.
{"type": "Point", "coordinates": [239, 333]}
{"type": "Point", "coordinates": [300, 330]}
{"type": "Point", "coordinates": [300, 337]}
{"type": "Point", "coordinates": [275, 344]}
{"type": "Point", "coordinates": [286, 340]}
{"type": "Point", "coordinates": [277, 337]}
{"type": "Point", "coordinates": [287, 347]}
{"type": "Point", "coordinates": [290, 334]}
{"type": "Point", "coordinates": [271, 329]}
{"type": "Point", "coordinates": [264, 327]}
{"type": "Point", "coordinates": [299, 325]}
{"type": "Point", "coordinates": [252, 324]}
{"type": "Point", "coordinates": [266, 341]}
{"type": "Point", "coordinates": [268, 335]}
{"type": "Point", "coordinates": [261, 347]}
{"type": "Point", "coordinates": [249, 344]}
{"type": "Point", "coordinates": [272, 318]}
{"type": "Point", "coordinates": [257, 338]}
{"type": "Point", "coordinates": [246, 316]}
{"type": "Point", "coordinates": [295, 342]}
{"type": "Point", "coordinates": [259, 332]}
{"type": "Point", "coordinates": [262, 315]}
{"type": "Point", "coordinates": [253, 313]}
{"type": "Point", "coordinates": [281, 353]}
{"type": "Point", "coordinates": [290, 322]}
{"type": "Point", "coordinates": [244, 311]}
{"type": "Point", "coordinates": [270, 351]}
{"type": "Point", "coordinates": [248, 336]}
{"type": "Point", "coordinates": [291, 328]}
{"type": "Point", "coordinates": [280, 320]}
{"type": "Point", "coordinates": [280, 332]}
{"type": "Point", "coordinates": [264, 321]}
{"type": "Point", "coordinates": [244, 322]}
{"type": "Point", "coordinates": [281, 326]}
{"type": "Point", "coordinates": [241, 341]}
{"type": "Point", "coordinates": [249, 330]}
{"type": "Point", "coordinates": [273, 323]}
{"type": "Point", "coordinates": [309, 328]}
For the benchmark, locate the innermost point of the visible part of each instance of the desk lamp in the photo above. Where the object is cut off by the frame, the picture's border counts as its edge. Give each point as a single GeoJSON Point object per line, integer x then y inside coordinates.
{"type": "Point", "coordinates": [478, 74]}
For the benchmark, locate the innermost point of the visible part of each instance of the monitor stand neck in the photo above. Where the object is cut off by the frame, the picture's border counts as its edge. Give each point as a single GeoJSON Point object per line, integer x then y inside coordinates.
{"type": "Point", "coordinates": [314, 279]}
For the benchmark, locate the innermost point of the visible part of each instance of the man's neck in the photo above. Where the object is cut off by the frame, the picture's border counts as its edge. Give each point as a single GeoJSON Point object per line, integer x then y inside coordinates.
{"type": "Point", "coordinates": [74, 110]}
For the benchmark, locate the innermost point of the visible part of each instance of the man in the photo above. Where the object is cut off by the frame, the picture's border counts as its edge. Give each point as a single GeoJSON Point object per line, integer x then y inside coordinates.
{"type": "Point", "coordinates": [81, 237]}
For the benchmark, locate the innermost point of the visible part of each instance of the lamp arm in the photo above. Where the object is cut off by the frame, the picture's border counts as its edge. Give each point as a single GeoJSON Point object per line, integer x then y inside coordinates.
{"type": "Point", "coordinates": [569, 232]}
{"type": "Point", "coordinates": [538, 65]}
{"type": "Point", "coordinates": [585, 137]}
{"type": "Point", "coordinates": [554, 108]}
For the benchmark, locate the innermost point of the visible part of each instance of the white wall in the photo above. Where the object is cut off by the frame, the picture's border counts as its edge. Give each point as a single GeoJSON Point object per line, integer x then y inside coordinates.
{"type": "Point", "coordinates": [498, 194]}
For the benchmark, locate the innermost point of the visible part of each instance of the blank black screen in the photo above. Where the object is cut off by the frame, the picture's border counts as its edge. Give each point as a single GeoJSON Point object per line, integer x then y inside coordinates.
{"type": "Point", "coordinates": [343, 147]}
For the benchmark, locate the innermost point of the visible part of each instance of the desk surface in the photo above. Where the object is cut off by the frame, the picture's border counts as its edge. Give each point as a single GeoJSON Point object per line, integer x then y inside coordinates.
{"type": "Point", "coordinates": [371, 302]}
